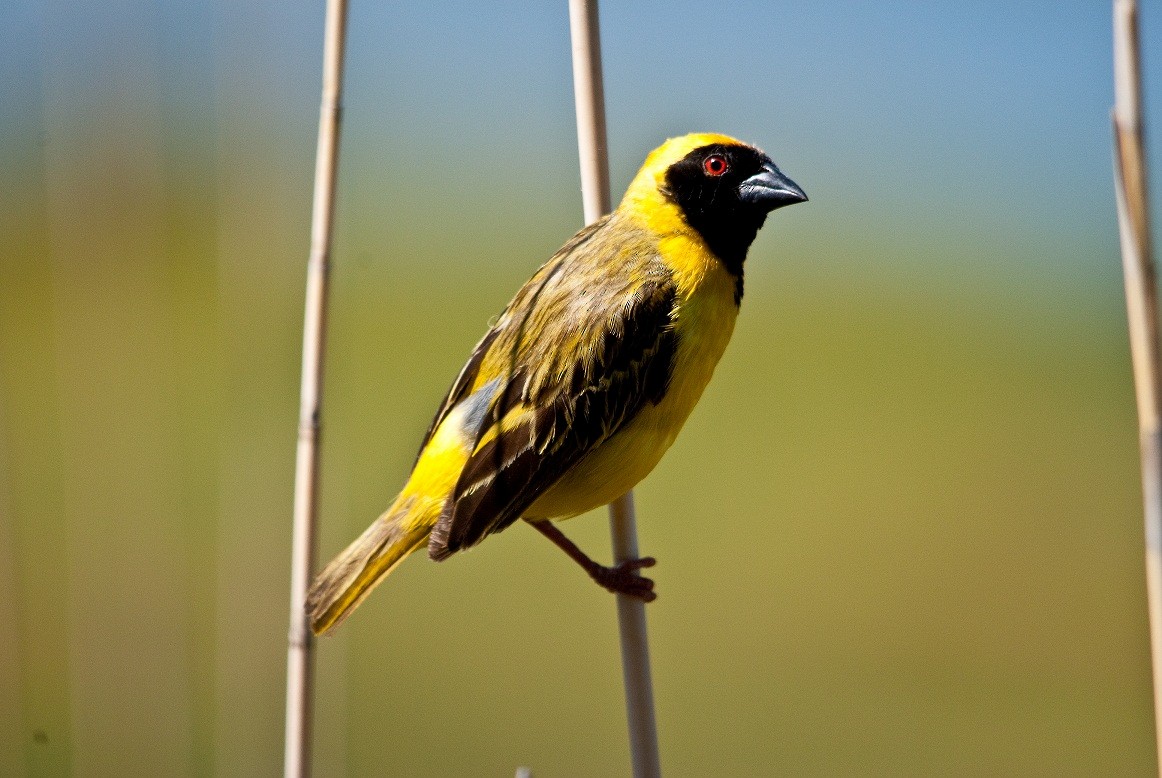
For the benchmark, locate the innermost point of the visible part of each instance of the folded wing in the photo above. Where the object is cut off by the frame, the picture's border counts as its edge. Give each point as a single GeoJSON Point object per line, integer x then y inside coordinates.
{"type": "Point", "coordinates": [575, 365]}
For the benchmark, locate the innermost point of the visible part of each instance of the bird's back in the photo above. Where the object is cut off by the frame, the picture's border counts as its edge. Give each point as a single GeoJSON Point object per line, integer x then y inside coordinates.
{"type": "Point", "coordinates": [702, 321]}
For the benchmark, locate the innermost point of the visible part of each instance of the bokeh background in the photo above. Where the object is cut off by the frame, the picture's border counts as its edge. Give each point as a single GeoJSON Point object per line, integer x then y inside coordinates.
{"type": "Point", "coordinates": [901, 534]}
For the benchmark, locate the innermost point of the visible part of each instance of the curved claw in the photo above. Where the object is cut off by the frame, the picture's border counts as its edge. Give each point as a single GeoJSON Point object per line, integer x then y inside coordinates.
{"type": "Point", "coordinates": [623, 579]}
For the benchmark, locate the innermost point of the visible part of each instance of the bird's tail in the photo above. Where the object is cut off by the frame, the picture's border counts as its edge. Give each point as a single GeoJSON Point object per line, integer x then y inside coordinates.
{"type": "Point", "coordinates": [354, 573]}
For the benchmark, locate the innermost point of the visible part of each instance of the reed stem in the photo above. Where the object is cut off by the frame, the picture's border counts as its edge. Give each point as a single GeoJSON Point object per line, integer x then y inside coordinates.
{"type": "Point", "coordinates": [1141, 310]}
{"type": "Point", "coordinates": [631, 612]}
{"type": "Point", "coordinates": [300, 641]}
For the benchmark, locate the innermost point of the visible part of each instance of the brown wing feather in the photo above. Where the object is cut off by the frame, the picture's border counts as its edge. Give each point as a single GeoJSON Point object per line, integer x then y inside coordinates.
{"type": "Point", "coordinates": [593, 357]}
{"type": "Point", "coordinates": [466, 382]}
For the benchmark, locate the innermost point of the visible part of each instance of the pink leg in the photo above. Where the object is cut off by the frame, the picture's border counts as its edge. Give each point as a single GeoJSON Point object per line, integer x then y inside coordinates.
{"type": "Point", "coordinates": [621, 578]}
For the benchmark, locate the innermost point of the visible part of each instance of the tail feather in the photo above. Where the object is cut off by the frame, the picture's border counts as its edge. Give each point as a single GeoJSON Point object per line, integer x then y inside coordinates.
{"type": "Point", "coordinates": [352, 575]}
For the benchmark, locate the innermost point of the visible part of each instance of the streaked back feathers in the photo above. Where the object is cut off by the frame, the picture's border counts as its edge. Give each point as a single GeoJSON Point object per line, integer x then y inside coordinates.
{"type": "Point", "coordinates": [577, 351]}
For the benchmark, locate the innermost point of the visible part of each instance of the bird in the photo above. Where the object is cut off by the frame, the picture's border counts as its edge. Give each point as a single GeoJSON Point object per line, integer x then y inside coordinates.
{"type": "Point", "coordinates": [584, 381]}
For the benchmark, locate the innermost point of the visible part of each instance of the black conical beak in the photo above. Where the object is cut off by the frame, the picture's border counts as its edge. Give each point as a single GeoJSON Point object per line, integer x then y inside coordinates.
{"type": "Point", "coordinates": [770, 189]}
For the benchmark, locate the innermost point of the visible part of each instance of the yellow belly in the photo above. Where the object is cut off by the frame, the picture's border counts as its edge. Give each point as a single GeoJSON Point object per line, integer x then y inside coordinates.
{"type": "Point", "coordinates": [704, 323]}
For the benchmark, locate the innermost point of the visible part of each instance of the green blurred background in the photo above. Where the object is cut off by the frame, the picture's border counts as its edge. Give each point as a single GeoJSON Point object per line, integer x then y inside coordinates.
{"type": "Point", "coordinates": [900, 535]}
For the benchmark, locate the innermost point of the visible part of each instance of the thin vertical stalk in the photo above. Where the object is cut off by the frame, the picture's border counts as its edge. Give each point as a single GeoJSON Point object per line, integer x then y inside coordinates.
{"type": "Point", "coordinates": [589, 96]}
{"type": "Point", "coordinates": [631, 613]}
{"type": "Point", "coordinates": [635, 649]}
{"type": "Point", "coordinates": [1141, 309]}
{"type": "Point", "coordinates": [300, 642]}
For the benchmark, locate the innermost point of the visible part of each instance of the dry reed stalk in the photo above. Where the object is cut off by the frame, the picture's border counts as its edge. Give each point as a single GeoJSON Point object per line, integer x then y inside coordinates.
{"type": "Point", "coordinates": [1141, 309]}
{"type": "Point", "coordinates": [631, 613]}
{"type": "Point", "coordinates": [300, 642]}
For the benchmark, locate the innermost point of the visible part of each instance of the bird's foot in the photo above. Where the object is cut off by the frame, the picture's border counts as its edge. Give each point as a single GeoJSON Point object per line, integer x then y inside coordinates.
{"type": "Point", "coordinates": [620, 579]}
{"type": "Point", "coordinates": [623, 578]}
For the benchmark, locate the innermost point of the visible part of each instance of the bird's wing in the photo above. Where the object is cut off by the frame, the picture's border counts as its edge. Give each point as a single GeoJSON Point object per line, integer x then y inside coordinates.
{"type": "Point", "coordinates": [467, 382]}
{"type": "Point", "coordinates": [584, 345]}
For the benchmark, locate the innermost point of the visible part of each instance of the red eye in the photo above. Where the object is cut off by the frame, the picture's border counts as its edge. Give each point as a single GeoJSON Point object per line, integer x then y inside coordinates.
{"type": "Point", "coordinates": [715, 165]}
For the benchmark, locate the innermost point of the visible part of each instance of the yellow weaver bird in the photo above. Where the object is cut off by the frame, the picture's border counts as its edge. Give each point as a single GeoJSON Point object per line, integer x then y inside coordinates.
{"type": "Point", "coordinates": [576, 392]}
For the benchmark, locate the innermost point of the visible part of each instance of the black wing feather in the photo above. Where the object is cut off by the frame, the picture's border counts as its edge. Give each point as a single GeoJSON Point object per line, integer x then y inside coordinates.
{"type": "Point", "coordinates": [604, 390]}
{"type": "Point", "coordinates": [465, 382]}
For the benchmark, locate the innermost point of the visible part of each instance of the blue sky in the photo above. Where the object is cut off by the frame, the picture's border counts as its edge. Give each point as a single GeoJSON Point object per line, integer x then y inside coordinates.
{"type": "Point", "coordinates": [897, 113]}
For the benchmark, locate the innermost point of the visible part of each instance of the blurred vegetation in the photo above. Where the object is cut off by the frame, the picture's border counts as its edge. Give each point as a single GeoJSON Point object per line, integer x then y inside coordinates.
{"type": "Point", "coordinates": [900, 535]}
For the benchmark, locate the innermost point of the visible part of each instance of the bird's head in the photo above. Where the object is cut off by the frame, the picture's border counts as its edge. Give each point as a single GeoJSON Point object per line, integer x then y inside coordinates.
{"type": "Point", "coordinates": [719, 186]}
